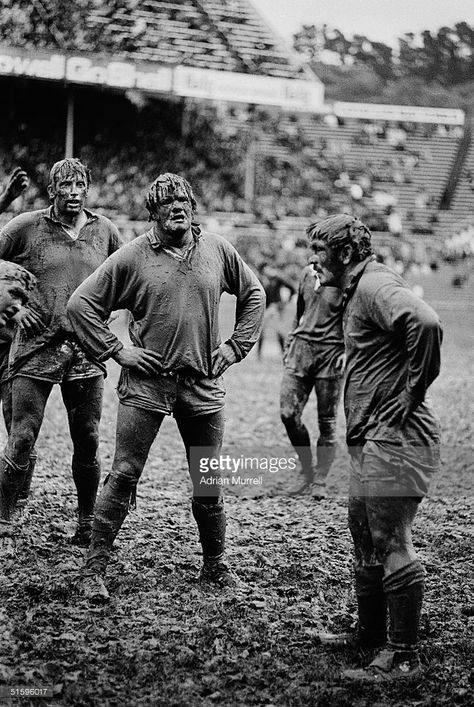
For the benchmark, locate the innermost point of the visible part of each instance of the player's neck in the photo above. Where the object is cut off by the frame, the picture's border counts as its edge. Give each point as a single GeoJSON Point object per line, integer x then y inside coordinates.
{"type": "Point", "coordinates": [75, 221]}
{"type": "Point", "coordinates": [175, 240]}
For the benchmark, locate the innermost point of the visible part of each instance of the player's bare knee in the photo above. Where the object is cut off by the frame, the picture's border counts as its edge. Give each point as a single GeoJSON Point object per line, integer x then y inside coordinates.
{"type": "Point", "coordinates": [290, 418]}
{"type": "Point", "coordinates": [386, 544]}
{"type": "Point", "coordinates": [22, 440]}
{"type": "Point", "coordinates": [124, 475]}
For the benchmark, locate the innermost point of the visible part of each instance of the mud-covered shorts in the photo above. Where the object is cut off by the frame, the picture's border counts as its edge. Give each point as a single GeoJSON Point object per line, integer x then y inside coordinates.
{"type": "Point", "coordinates": [180, 395]}
{"type": "Point", "coordinates": [312, 360]}
{"type": "Point", "coordinates": [59, 362]}
{"type": "Point", "coordinates": [389, 469]}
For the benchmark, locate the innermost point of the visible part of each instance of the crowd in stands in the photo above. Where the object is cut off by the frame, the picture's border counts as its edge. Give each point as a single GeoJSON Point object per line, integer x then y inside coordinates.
{"type": "Point", "coordinates": [460, 246]}
{"type": "Point", "coordinates": [295, 175]}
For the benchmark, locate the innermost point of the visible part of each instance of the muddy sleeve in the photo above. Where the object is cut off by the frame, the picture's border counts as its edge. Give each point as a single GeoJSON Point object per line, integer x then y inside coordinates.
{"type": "Point", "coordinates": [415, 322]}
{"type": "Point", "coordinates": [108, 288]}
{"type": "Point", "coordinates": [244, 284]}
{"type": "Point", "coordinates": [11, 239]}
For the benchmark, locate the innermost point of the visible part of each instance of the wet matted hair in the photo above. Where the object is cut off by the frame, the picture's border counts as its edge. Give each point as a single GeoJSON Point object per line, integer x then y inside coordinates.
{"type": "Point", "coordinates": [340, 230]}
{"type": "Point", "coordinates": [68, 167]}
{"type": "Point", "coordinates": [165, 185]}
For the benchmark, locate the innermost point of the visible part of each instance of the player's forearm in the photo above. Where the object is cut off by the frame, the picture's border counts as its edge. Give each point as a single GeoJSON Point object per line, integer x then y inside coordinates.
{"type": "Point", "coordinates": [90, 327]}
{"type": "Point", "coordinates": [249, 321]}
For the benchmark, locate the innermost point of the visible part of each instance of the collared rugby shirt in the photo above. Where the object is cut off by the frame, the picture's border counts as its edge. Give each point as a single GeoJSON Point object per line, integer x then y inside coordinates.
{"type": "Point", "coordinates": [393, 343]}
{"type": "Point", "coordinates": [174, 302]}
{"type": "Point", "coordinates": [39, 242]}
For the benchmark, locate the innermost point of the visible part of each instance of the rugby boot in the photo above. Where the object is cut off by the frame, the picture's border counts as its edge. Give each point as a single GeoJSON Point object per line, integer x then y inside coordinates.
{"type": "Point", "coordinates": [399, 660]}
{"type": "Point", "coordinates": [94, 589]}
{"type": "Point", "coordinates": [12, 477]}
{"type": "Point", "coordinates": [217, 573]}
{"type": "Point", "coordinates": [211, 523]}
{"type": "Point", "coordinates": [83, 533]}
{"type": "Point", "coordinates": [387, 666]}
{"type": "Point", "coordinates": [318, 488]}
{"type": "Point", "coordinates": [24, 494]}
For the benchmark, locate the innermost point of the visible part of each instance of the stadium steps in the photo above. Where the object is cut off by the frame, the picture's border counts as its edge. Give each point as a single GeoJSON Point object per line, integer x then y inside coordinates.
{"type": "Point", "coordinates": [221, 35]}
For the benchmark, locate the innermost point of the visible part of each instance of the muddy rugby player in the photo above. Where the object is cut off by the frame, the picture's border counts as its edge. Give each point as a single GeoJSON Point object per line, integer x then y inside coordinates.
{"type": "Point", "coordinates": [61, 246]}
{"type": "Point", "coordinates": [171, 280]}
{"type": "Point", "coordinates": [314, 359]}
{"type": "Point", "coordinates": [393, 340]}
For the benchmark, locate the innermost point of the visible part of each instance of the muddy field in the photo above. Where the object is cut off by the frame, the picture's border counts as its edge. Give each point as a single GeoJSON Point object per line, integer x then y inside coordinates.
{"type": "Point", "coordinates": [161, 641]}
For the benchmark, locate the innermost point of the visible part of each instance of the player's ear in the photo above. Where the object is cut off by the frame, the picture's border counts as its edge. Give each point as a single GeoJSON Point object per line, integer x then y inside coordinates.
{"type": "Point", "coordinates": [51, 192]}
{"type": "Point", "coordinates": [346, 253]}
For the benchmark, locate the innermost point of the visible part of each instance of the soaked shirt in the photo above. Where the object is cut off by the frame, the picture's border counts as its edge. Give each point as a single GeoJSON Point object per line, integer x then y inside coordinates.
{"type": "Point", "coordinates": [39, 242]}
{"type": "Point", "coordinates": [174, 301]}
{"type": "Point", "coordinates": [318, 312]}
{"type": "Point", "coordinates": [393, 341]}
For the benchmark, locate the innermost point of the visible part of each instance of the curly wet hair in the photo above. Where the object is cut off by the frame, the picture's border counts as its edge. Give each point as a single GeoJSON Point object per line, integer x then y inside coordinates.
{"type": "Point", "coordinates": [163, 186]}
{"type": "Point", "coordinates": [67, 167]}
{"type": "Point", "coordinates": [340, 230]}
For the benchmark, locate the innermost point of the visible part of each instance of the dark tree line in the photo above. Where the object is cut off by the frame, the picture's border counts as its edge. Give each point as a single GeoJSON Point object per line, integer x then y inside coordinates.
{"type": "Point", "coordinates": [438, 66]}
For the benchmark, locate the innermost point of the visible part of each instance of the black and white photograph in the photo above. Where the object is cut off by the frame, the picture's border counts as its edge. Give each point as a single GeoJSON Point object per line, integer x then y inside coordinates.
{"type": "Point", "coordinates": [236, 353]}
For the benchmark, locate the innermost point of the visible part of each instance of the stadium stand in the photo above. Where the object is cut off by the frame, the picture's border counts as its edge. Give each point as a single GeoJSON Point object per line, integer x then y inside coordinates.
{"type": "Point", "coordinates": [392, 175]}
{"type": "Point", "coordinates": [227, 35]}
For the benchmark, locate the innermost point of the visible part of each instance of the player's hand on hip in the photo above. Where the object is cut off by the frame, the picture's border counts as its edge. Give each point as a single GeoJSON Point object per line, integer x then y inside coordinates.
{"type": "Point", "coordinates": [30, 321]}
{"type": "Point", "coordinates": [140, 360]}
{"type": "Point", "coordinates": [400, 409]}
{"type": "Point", "coordinates": [222, 358]}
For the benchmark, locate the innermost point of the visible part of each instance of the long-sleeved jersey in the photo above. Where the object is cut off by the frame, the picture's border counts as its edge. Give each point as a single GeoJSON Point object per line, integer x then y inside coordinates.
{"type": "Point", "coordinates": [39, 242]}
{"type": "Point", "coordinates": [174, 301]}
{"type": "Point", "coordinates": [393, 341]}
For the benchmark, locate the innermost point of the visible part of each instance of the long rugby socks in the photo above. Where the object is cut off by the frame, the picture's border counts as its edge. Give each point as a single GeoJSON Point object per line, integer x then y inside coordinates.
{"type": "Point", "coordinates": [326, 446]}
{"type": "Point", "coordinates": [26, 487]}
{"type": "Point", "coordinates": [372, 606]}
{"type": "Point", "coordinates": [211, 523]}
{"type": "Point", "coordinates": [111, 510]}
{"type": "Point", "coordinates": [404, 590]}
{"type": "Point", "coordinates": [86, 479]}
{"type": "Point", "coordinates": [12, 477]}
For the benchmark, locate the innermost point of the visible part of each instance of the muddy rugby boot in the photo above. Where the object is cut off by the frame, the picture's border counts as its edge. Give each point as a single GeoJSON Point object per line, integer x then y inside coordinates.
{"type": "Point", "coordinates": [94, 589]}
{"type": "Point", "coordinates": [388, 665]}
{"type": "Point", "coordinates": [216, 574]}
{"type": "Point", "coordinates": [83, 533]}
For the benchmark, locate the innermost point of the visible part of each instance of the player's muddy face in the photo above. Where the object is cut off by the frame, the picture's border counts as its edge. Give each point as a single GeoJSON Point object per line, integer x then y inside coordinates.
{"type": "Point", "coordinates": [12, 297]}
{"type": "Point", "coordinates": [69, 193]}
{"type": "Point", "coordinates": [326, 262]}
{"type": "Point", "coordinates": [174, 215]}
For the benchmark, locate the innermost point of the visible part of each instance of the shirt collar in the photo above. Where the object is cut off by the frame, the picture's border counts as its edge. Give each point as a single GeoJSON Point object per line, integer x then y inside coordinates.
{"type": "Point", "coordinates": [157, 244]}
{"type": "Point", "coordinates": [49, 214]}
{"type": "Point", "coordinates": [357, 273]}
